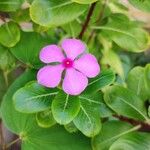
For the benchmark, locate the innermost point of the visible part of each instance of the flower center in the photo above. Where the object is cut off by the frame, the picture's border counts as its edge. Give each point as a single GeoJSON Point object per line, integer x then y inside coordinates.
{"type": "Point", "coordinates": [67, 63]}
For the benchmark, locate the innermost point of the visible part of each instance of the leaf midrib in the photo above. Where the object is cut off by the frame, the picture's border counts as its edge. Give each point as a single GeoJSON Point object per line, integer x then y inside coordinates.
{"type": "Point", "coordinates": [120, 134]}
{"type": "Point", "coordinates": [86, 114]}
{"type": "Point", "coordinates": [66, 102]}
{"type": "Point", "coordinates": [115, 30]}
{"type": "Point", "coordinates": [99, 79]}
{"type": "Point", "coordinates": [40, 96]}
{"type": "Point", "coordinates": [133, 107]}
{"type": "Point", "coordinates": [59, 6]}
{"type": "Point", "coordinates": [90, 100]}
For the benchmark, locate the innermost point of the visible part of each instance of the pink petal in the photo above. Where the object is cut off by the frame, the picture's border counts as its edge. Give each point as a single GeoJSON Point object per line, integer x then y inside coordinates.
{"type": "Point", "coordinates": [88, 65]}
{"type": "Point", "coordinates": [73, 47]}
{"type": "Point", "coordinates": [50, 76]}
{"type": "Point", "coordinates": [74, 82]}
{"type": "Point", "coordinates": [51, 53]}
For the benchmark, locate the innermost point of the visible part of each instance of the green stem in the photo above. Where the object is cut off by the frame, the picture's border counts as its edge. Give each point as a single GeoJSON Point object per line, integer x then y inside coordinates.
{"type": "Point", "coordinates": [5, 74]}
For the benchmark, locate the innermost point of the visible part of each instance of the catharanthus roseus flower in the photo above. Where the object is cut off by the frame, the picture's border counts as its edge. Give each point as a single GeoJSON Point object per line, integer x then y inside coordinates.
{"type": "Point", "coordinates": [71, 58]}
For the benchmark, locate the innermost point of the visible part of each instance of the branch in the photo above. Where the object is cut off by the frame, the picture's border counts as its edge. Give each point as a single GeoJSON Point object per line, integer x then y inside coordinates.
{"type": "Point", "coordinates": [98, 20]}
{"type": "Point", "coordinates": [144, 126]}
{"type": "Point", "coordinates": [1, 137]}
{"type": "Point", "coordinates": [85, 25]}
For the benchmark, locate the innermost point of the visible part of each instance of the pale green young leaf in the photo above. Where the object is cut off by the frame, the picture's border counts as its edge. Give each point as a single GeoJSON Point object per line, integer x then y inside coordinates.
{"type": "Point", "coordinates": [9, 34]}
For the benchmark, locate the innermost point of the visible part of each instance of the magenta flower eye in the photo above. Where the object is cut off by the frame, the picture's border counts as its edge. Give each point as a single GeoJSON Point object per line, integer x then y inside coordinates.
{"type": "Point", "coordinates": [67, 63]}
{"type": "Point", "coordinates": [77, 70]}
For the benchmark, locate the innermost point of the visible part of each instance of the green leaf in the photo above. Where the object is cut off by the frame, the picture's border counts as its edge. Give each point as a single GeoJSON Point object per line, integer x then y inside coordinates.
{"type": "Point", "coordinates": [72, 28]}
{"type": "Point", "coordinates": [21, 15]}
{"type": "Point", "coordinates": [65, 107]}
{"type": "Point", "coordinates": [125, 102]}
{"type": "Point", "coordinates": [105, 78]}
{"type": "Point", "coordinates": [111, 131]}
{"type": "Point", "coordinates": [45, 119]}
{"type": "Point", "coordinates": [105, 111]}
{"type": "Point", "coordinates": [10, 5]}
{"type": "Point", "coordinates": [55, 13]}
{"type": "Point", "coordinates": [84, 1]}
{"type": "Point", "coordinates": [113, 60]}
{"type": "Point", "coordinates": [135, 82]}
{"type": "Point", "coordinates": [33, 98]}
{"type": "Point", "coordinates": [88, 119]}
{"type": "Point", "coordinates": [12, 119]}
{"type": "Point", "coordinates": [32, 136]}
{"type": "Point", "coordinates": [3, 86]}
{"type": "Point", "coordinates": [54, 138]}
{"type": "Point", "coordinates": [132, 141]}
{"type": "Point", "coordinates": [7, 61]}
{"type": "Point", "coordinates": [147, 77]}
{"type": "Point", "coordinates": [125, 33]}
{"type": "Point", "coordinates": [71, 128]}
{"type": "Point", "coordinates": [10, 34]}
{"type": "Point", "coordinates": [28, 48]}
{"type": "Point", "coordinates": [143, 5]}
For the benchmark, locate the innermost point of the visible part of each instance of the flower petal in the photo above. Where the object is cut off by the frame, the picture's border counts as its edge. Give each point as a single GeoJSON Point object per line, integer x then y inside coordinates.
{"type": "Point", "coordinates": [88, 65]}
{"type": "Point", "coordinates": [73, 47]}
{"type": "Point", "coordinates": [50, 76]}
{"type": "Point", "coordinates": [74, 82]}
{"type": "Point", "coordinates": [51, 53]}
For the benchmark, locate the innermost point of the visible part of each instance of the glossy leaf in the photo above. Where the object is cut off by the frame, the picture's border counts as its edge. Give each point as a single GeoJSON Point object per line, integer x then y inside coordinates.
{"type": "Point", "coordinates": [125, 102]}
{"type": "Point", "coordinates": [111, 131]}
{"type": "Point", "coordinates": [28, 48]}
{"type": "Point", "coordinates": [10, 5]}
{"type": "Point", "coordinates": [113, 60]}
{"type": "Point", "coordinates": [45, 119]}
{"type": "Point", "coordinates": [33, 98]}
{"type": "Point", "coordinates": [143, 5]}
{"type": "Point", "coordinates": [10, 34]}
{"type": "Point", "coordinates": [54, 138]}
{"type": "Point", "coordinates": [105, 78]}
{"type": "Point", "coordinates": [65, 107]}
{"type": "Point", "coordinates": [84, 1]}
{"type": "Point", "coordinates": [88, 119]}
{"type": "Point", "coordinates": [132, 141]}
{"type": "Point", "coordinates": [135, 82]}
{"type": "Point", "coordinates": [125, 33]}
{"type": "Point", "coordinates": [147, 77]}
{"type": "Point", "coordinates": [21, 15]}
{"type": "Point", "coordinates": [14, 120]}
{"type": "Point", "coordinates": [55, 13]}
{"type": "Point", "coordinates": [26, 127]}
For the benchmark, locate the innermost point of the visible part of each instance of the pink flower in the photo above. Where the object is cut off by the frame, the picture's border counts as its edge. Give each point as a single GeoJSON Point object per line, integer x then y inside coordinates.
{"type": "Point", "coordinates": [77, 64]}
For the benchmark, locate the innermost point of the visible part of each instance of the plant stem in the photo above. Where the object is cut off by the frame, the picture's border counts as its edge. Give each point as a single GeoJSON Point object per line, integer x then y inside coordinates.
{"type": "Point", "coordinates": [1, 137]}
{"type": "Point", "coordinates": [98, 20]}
{"type": "Point", "coordinates": [145, 127]}
{"type": "Point", "coordinates": [12, 143]}
{"type": "Point", "coordinates": [85, 25]}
